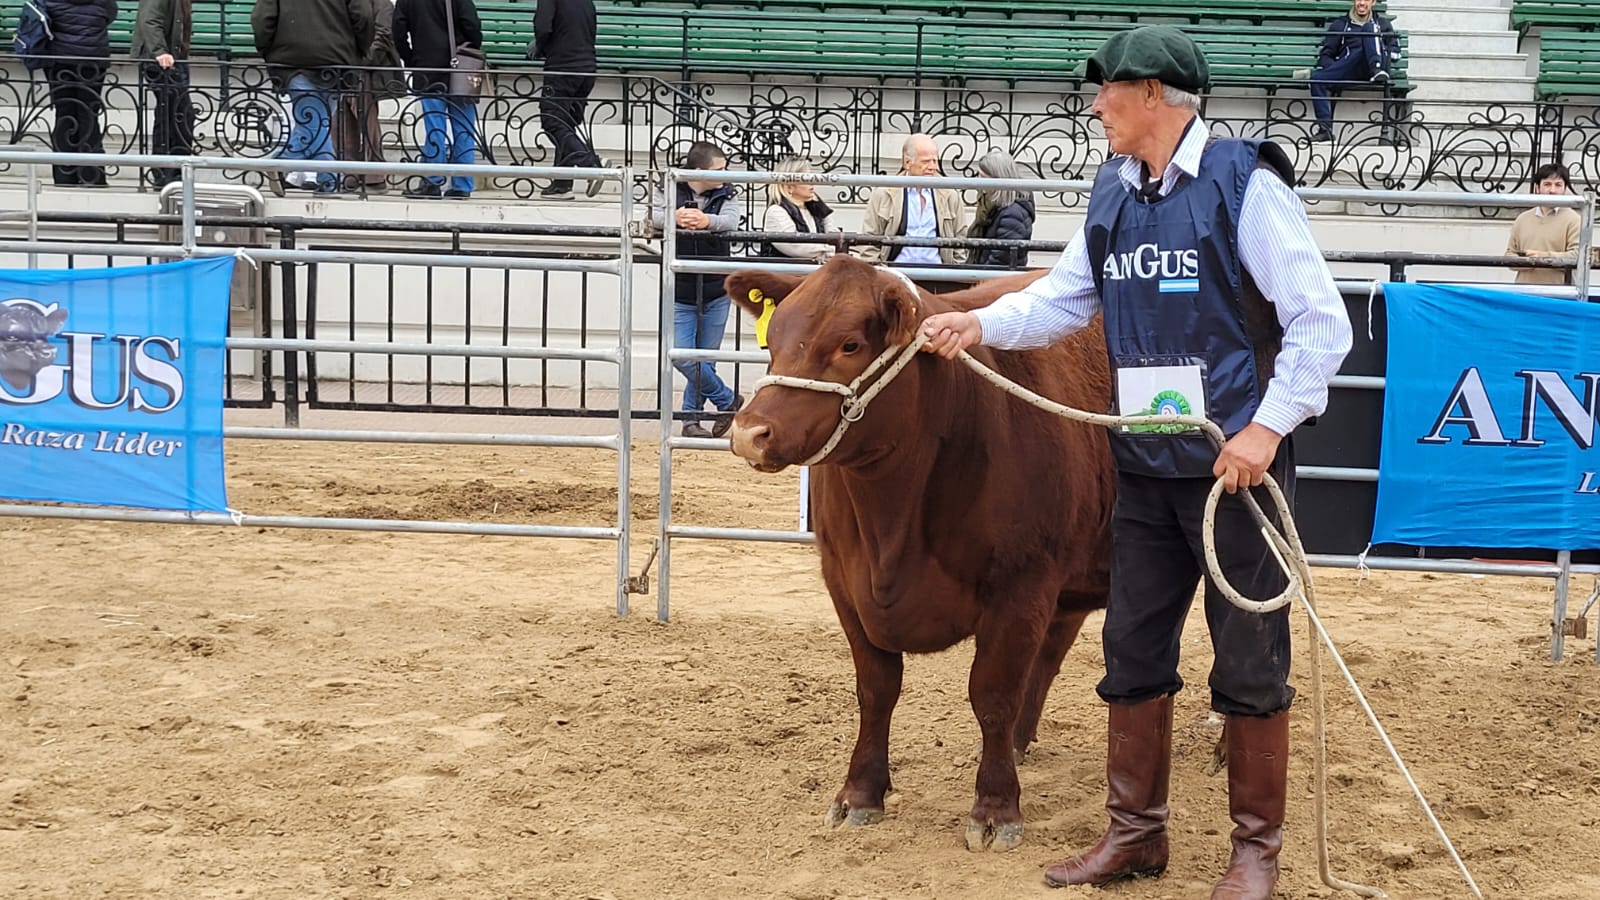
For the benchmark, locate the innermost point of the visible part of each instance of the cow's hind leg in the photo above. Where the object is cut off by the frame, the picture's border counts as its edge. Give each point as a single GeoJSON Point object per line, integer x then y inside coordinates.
{"type": "Point", "coordinates": [878, 678]}
{"type": "Point", "coordinates": [1058, 639]}
{"type": "Point", "coordinates": [998, 687]}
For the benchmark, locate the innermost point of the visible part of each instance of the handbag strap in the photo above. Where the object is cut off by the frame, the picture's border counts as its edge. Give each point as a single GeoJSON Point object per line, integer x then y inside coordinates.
{"type": "Point", "coordinates": [450, 29]}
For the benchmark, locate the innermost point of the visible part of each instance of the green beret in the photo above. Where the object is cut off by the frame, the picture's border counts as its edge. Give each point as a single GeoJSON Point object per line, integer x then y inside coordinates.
{"type": "Point", "coordinates": [1161, 52]}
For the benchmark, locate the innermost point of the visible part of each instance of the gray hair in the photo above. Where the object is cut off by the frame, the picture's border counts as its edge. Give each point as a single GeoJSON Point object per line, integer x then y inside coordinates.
{"type": "Point", "coordinates": [1180, 98]}
{"type": "Point", "coordinates": [999, 164]}
{"type": "Point", "coordinates": [789, 165]}
{"type": "Point", "coordinates": [909, 148]}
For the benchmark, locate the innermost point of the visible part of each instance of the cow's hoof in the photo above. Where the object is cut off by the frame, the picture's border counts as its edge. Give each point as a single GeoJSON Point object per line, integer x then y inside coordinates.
{"type": "Point", "coordinates": [998, 838]}
{"type": "Point", "coordinates": [841, 813]}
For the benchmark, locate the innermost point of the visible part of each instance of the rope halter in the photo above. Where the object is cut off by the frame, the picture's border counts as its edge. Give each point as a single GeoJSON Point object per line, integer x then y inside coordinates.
{"type": "Point", "coordinates": [855, 400]}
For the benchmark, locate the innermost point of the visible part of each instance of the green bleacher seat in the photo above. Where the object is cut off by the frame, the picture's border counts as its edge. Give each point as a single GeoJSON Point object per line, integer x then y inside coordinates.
{"type": "Point", "coordinates": [1568, 15]}
{"type": "Point", "coordinates": [1569, 65]}
{"type": "Point", "coordinates": [1296, 12]}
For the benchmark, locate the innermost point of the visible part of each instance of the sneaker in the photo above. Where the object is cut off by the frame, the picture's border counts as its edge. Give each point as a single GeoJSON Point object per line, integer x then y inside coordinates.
{"type": "Point", "coordinates": [696, 430]}
{"type": "Point", "coordinates": [558, 190]}
{"type": "Point", "coordinates": [1381, 76]}
{"type": "Point", "coordinates": [1321, 134]}
{"type": "Point", "coordinates": [427, 190]}
{"type": "Point", "coordinates": [595, 184]}
{"type": "Point", "coordinates": [454, 194]}
{"type": "Point", "coordinates": [725, 420]}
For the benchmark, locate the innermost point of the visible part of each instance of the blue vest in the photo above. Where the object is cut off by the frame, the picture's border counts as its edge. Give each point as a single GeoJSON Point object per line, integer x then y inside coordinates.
{"type": "Point", "coordinates": [1176, 295]}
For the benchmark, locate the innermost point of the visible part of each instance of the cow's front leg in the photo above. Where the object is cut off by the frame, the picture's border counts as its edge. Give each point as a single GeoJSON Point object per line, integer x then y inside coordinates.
{"type": "Point", "coordinates": [1001, 664]}
{"type": "Point", "coordinates": [878, 676]}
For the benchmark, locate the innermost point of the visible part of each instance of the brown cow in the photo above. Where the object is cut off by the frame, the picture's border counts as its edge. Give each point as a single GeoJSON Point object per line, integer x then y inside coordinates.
{"type": "Point", "coordinates": [948, 510]}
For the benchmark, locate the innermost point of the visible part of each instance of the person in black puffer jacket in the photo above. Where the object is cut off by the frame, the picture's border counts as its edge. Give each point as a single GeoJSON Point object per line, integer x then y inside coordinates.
{"type": "Point", "coordinates": [1002, 215]}
{"type": "Point", "coordinates": [81, 31]}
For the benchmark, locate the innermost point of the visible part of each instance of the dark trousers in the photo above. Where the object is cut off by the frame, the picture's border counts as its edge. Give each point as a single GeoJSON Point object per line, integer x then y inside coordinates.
{"type": "Point", "coordinates": [357, 135]}
{"type": "Point", "coordinates": [172, 131]}
{"type": "Point", "coordinates": [561, 115]}
{"type": "Point", "coordinates": [75, 94]}
{"type": "Point", "coordinates": [1356, 67]}
{"type": "Point", "coordinates": [1157, 560]}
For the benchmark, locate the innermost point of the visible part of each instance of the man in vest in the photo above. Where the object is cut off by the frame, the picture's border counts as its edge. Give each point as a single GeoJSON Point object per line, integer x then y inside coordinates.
{"type": "Point", "coordinates": [915, 212]}
{"type": "Point", "coordinates": [1216, 302]}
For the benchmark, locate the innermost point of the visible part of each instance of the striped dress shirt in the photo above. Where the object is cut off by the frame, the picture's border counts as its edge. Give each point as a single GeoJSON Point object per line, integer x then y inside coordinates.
{"type": "Point", "coordinates": [1277, 249]}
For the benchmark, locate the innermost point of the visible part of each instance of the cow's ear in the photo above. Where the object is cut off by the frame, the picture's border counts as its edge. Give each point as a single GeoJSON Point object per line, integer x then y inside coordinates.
{"type": "Point", "coordinates": [902, 310]}
{"type": "Point", "coordinates": [752, 289]}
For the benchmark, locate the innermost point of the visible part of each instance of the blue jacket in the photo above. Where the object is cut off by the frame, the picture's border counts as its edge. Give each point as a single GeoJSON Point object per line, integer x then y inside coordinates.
{"type": "Point", "coordinates": [1179, 305]}
{"type": "Point", "coordinates": [81, 27]}
{"type": "Point", "coordinates": [1342, 35]}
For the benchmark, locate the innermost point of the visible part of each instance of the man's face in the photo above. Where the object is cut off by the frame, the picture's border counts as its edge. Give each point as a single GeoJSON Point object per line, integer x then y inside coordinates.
{"type": "Point", "coordinates": [1553, 184]}
{"type": "Point", "coordinates": [924, 159]}
{"type": "Point", "coordinates": [1362, 8]}
{"type": "Point", "coordinates": [1123, 113]}
{"type": "Point", "coordinates": [719, 164]}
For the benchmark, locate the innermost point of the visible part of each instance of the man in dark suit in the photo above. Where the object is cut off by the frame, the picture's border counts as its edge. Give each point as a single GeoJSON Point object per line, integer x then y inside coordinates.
{"type": "Point", "coordinates": [1357, 48]}
{"type": "Point", "coordinates": [564, 37]}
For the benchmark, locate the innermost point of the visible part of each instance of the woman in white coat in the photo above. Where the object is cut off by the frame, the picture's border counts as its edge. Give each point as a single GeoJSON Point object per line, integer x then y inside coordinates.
{"type": "Point", "coordinates": [795, 209]}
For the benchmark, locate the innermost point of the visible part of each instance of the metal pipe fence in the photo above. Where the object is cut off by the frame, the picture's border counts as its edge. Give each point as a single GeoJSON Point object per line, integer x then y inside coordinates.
{"type": "Point", "coordinates": [1354, 290]}
{"type": "Point", "coordinates": [618, 262]}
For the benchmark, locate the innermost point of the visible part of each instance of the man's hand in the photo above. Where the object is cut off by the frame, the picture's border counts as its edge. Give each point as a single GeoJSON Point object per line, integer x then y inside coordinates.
{"type": "Point", "coordinates": [164, 60]}
{"type": "Point", "coordinates": [950, 333]}
{"type": "Point", "coordinates": [692, 218]}
{"type": "Point", "coordinates": [1246, 456]}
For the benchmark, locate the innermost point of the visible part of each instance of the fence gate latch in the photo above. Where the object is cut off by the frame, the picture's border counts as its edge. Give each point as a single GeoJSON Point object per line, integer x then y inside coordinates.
{"type": "Point", "coordinates": [640, 584]}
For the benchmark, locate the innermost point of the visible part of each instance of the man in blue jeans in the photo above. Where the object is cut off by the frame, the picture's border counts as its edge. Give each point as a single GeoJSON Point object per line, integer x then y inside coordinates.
{"type": "Point", "coordinates": [309, 44]}
{"type": "Point", "coordinates": [1358, 48]}
{"type": "Point", "coordinates": [449, 123]}
{"type": "Point", "coordinates": [701, 209]}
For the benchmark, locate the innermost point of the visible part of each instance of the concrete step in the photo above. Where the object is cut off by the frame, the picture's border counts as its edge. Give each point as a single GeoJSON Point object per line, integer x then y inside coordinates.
{"type": "Point", "coordinates": [1476, 89]}
{"type": "Point", "coordinates": [1435, 66]}
{"type": "Point", "coordinates": [1450, 17]}
{"type": "Point", "coordinates": [1492, 42]}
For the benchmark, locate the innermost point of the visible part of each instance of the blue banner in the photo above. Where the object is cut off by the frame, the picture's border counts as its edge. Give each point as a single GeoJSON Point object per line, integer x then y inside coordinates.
{"type": "Point", "coordinates": [1489, 420]}
{"type": "Point", "coordinates": [111, 385]}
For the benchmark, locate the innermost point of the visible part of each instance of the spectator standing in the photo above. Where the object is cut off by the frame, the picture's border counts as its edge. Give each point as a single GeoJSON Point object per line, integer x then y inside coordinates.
{"type": "Point", "coordinates": [1003, 214]}
{"type": "Point", "coordinates": [915, 212]}
{"type": "Point", "coordinates": [161, 37]}
{"type": "Point", "coordinates": [1546, 232]}
{"type": "Point", "coordinates": [701, 209]}
{"type": "Point", "coordinates": [357, 134]}
{"type": "Point", "coordinates": [450, 123]}
{"type": "Point", "coordinates": [80, 29]}
{"type": "Point", "coordinates": [795, 209]}
{"type": "Point", "coordinates": [1357, 47]}
{"type": "Point", "coordinates": [311, 47]}
{"type": "Point", "coordinates": [564, 36]}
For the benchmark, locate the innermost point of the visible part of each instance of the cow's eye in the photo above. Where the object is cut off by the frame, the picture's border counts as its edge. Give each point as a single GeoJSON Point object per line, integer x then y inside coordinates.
{"type": "Point", "coordinates": [850, 347]}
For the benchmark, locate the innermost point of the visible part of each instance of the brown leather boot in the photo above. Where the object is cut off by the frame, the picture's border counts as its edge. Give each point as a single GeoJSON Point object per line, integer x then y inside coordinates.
{"type": "Point", "coordinates": [1258, 776]}
{"type": "Point", "coordinates": [1138, 769]}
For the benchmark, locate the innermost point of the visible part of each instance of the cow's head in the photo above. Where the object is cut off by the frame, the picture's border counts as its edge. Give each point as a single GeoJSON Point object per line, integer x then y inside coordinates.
{"type": "Point", "coordinates": [25, 331]}
{"type": "Point", "coordinates": [828, 326]}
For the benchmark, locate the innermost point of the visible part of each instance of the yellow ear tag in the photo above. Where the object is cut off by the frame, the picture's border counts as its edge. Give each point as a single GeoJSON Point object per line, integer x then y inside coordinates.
{"type": "Point", "coordinates": [767, 307]}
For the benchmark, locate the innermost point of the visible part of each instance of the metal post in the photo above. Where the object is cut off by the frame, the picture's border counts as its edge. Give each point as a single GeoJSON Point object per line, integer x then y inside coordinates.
{"type": "Point", "coordinates": [1558, 621]}
{"type": "Point", "coordinates": [624, 391]}
{"type": "Point", "coordinates": [188, 208]}
{"type": "Point", "coordinates": [289, 273]}
{"type": "Point", "coordinates": [33, 215]}
{"type": "Point", "coordinates": [669, 256]}
{"type": "Point", "coordinates": [1580, 275]}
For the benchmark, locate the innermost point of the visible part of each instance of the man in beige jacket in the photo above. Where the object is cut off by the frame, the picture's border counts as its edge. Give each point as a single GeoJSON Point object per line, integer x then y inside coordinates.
{"type": "Point", "coordinates": [1546, 232]}
{"type": "Point", "coordinates": [915, 212]}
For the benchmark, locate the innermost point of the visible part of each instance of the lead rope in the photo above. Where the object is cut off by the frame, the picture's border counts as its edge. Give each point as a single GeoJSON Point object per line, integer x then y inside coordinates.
{"type": "Point", "coordinates": [1286, 549]}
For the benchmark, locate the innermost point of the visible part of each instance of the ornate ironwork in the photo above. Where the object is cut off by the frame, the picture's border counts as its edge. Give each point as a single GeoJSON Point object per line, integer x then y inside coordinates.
{"type": "Point", "coordinates": [856, 128]}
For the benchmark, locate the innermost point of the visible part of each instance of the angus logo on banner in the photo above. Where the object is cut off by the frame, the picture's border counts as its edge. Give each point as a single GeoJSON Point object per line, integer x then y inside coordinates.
{"type": "Point", "coordinates": [111, 385]}
{"type": "Point", "coordinates": [1489, 420]}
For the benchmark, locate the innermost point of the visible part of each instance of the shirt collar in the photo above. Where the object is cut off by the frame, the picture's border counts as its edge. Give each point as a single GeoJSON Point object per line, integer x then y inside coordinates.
{"type": "Point", "coordinates": [1185, 161]}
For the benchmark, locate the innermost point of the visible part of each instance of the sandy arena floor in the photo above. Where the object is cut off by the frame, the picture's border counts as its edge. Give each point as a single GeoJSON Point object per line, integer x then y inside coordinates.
{"type": "Point", "coordinates": [207, 712]}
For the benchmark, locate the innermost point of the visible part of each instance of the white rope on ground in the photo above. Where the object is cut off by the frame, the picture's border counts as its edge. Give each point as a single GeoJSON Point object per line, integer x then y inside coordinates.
{"type": "Point", "coordinates": [1286, 548]}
